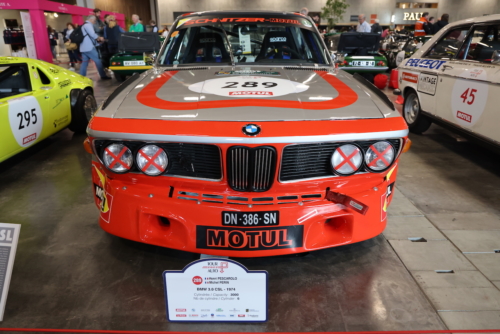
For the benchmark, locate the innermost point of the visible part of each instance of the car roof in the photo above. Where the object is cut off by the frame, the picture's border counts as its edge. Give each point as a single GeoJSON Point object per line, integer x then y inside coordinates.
{"type": "Point", "coordinates": [242, 12]}
{"type": "Point", "coordinates": [479, 19]}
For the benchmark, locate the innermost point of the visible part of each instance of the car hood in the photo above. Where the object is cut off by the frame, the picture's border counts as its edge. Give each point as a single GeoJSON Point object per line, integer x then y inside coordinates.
{"type": "Point", "coordinates": [245, 94]}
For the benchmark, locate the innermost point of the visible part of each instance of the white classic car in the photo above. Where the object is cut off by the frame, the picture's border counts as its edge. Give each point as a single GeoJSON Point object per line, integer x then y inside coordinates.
{"type": "Point", "coordinates": [454, 80]}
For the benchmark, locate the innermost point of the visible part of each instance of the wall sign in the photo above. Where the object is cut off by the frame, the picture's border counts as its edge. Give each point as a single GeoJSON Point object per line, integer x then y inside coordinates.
{"type": "Point", "coordinates": [9, 236]}
{"type": "Point", "coordinates": [411, 16]}
{"type": "Point", "coordinates": [215, 290]}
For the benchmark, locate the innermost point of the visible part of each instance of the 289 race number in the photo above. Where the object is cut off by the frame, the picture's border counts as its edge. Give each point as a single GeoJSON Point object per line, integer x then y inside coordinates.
{"type": "Point", "coordinates": [248, 87]}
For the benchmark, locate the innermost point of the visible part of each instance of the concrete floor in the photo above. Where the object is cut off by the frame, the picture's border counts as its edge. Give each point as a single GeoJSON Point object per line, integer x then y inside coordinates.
{"type": "Point", "coordinates": [68, 273]}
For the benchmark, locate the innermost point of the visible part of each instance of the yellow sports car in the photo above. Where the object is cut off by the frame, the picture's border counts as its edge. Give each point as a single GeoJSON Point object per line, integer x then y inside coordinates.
{"type": "Point", "coordinates": [38, 99]}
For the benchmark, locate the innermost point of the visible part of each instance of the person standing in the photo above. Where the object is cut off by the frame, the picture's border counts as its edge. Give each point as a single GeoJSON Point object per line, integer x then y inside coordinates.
{"type": "Point", "coordinates": [53, 41]}
{"type": "Point", "coordinates": [429, 26]}
{"type": "Point", "coordinates": [99, 24]}
{"type": "Point", "coordinates": [153, 25]}
{"type": "Point", "coordinates": [137, 26]}
{"type": "Point", "coordinates": [73, 58]}
{"type": "Point", "coordinates": [419, 26]}
{"type": "Point", "coordinates": [376, 28]}
{"type": "Point", "coordinates": [441, 23]}
{"type": "Point", "coordinates": [112, 33]}
{"type": "Point", "coordinates": [363, 26]}
{"type": "Point", "coordinates": [165, 31]}
{"type": "Point", "coordinates": [88, 48]}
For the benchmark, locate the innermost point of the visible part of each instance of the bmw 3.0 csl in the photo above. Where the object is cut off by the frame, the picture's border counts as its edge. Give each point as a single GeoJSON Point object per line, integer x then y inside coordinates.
{"type": "Point", "coordinates": [244, 140]}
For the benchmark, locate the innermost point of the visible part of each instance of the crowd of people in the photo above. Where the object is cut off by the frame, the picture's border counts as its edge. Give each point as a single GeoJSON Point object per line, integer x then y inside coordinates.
{"type": "Point", "coordinates": [100, 41]}
{"type": "Point", "coordinates": [429, 26]}
{"type": "Point", "coordinates": [101, 36]}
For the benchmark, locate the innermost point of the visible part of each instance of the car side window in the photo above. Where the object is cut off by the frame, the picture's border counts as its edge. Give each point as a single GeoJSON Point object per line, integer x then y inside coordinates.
{"type": "Point", "coordinates": [448, 46]}
{"type": "Point", "coordinates": [14, 80]}
{"type": "Point", "coordinates": [481, 45]}
{"type": "Point", "coordinates": [43, 77]}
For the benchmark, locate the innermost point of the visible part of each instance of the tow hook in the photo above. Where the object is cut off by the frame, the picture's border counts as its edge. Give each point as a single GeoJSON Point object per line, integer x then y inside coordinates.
{"type": "Point", "coordinates": [348, 201]}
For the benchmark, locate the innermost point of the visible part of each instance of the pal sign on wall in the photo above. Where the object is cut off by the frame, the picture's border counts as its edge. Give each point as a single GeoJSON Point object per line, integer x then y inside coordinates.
{"type": "Point", "coordinates": [216, 290]}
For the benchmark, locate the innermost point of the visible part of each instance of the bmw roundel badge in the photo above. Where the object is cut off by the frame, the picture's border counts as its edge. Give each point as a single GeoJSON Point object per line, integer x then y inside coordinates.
{"type": "Point", "coordinates": [251, 129]}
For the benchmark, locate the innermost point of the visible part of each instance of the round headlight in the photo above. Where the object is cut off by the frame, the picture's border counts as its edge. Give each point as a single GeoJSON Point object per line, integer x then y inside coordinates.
{"type": "Point", "coordinates": [347, 159]}
{"type": "Point", "coordinates": [379, 156]}
{"type": "Point", "coordinates": [118, 158]}
{"type": "Point", "coordinates": [152, 160]}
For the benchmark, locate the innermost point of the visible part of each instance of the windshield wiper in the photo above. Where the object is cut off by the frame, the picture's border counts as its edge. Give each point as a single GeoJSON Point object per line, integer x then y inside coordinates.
{"type": "Point", "coordinates": [228, 43]}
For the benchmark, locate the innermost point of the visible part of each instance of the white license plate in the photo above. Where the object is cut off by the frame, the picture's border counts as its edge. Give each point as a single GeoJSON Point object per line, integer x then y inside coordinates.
{"type": "Point", "coordinates": [363, 63]}
{"type": "Point", "coordinates": [134, 63]}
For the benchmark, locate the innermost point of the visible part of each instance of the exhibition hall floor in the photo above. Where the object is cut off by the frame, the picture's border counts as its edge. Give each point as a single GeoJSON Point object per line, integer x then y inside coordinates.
{"type": "Point", "coordinates": [70, 274]}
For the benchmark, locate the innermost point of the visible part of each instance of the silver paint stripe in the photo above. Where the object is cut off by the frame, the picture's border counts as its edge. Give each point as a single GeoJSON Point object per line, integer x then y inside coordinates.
{"type": "Point", "coordinates": [249, 140]}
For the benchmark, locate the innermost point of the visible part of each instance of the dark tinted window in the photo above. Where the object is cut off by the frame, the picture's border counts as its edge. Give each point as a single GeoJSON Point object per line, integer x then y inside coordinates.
{"type": "Point", "coordinates": [13, 80]}
{"type": "Point", "coordinates": [481, 44]}
{"type": "Point", "coordinates": [448, 46]}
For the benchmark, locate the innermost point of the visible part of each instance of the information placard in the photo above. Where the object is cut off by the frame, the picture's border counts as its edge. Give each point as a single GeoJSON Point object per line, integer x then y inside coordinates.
{"type": "Point", "coordinates": [216, 290]}
{"type": "Point", "coordinates": [28, 35]}
{"type": "Point", "coordinates": [9, 235]}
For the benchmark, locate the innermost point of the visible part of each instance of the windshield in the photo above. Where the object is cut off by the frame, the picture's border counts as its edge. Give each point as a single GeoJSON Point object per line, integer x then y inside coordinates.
{"type": "Point", "coordinates": [264, 39]}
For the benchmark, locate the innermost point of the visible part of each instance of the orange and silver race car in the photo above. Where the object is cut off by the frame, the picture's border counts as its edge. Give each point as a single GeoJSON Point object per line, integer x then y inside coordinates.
{"type": "Point", "coordinates": [244, 140]}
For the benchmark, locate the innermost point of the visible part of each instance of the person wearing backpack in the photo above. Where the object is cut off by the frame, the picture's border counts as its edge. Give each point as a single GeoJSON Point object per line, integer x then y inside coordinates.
{"type": "Point", "coordinates": [88, 48]}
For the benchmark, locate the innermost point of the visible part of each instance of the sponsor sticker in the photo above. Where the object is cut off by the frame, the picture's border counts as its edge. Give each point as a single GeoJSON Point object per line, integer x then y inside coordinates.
{"type": "Point", "coordinates": [248, 72]}
{"type": "Point", "coordinates": [463, 116]}
{"type": "Point", "coordinates": [25, 120]}
{"type": "Point", "coordinates": [244, 239]}
{"type": "Point", "coordinates": [29, 139]}
{"type": "Point", "coordinates": [469, 97]}
{"type": "Point", "coordinates": [427, 83]}
{"type": "Point", "coordinates": [277, 39]}
{"type": "Point", "coordinates": [425, 63]}
{"type": "Point", "coordinates": [245, 86]}
{"type": "Point", "coordinates": [410, 77]}
{"type": "Point", "coordinates": [207, 40]}
{"type": "Point", "coordinates": [386, 200]}
{"type": "Point", "coordinates": [103, 199]}
{"type": "Point", "coordinates": [250, 93]}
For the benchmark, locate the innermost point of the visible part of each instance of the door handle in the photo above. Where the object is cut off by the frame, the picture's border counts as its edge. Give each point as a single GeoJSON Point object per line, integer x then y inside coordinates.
{"type": "Point", "coordinates": [447, 67]}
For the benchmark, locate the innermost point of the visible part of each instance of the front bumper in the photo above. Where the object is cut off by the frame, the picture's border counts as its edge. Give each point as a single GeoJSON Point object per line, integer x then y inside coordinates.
{"type": "Point", "coordinates": [183, 214]}
{"type": "Point", "coordinates": [129, 70]}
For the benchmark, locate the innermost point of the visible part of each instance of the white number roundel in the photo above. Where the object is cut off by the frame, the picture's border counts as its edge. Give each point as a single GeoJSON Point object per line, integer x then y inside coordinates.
{"type": "Point", "coordinates": [469, 97]}
{"type": "Point", "coordinates": [248, 87]}
{"type": "Point", "coordinates": [26, 120]}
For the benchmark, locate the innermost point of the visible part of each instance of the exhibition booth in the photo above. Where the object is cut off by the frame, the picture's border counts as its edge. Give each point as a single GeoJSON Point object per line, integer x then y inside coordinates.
{"type": "Point", "coordinates": [33, 16]}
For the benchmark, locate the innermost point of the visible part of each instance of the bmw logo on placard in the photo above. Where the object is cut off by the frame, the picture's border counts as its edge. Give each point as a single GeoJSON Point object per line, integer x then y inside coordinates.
{"type": "Point", "coordinates": [251, 129]}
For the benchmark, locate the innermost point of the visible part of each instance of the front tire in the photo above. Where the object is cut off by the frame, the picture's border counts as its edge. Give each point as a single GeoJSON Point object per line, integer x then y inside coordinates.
{"type": "Point", "coordinates": [83, 111]}
{"type": "Point", "coordinates": [412, 113]}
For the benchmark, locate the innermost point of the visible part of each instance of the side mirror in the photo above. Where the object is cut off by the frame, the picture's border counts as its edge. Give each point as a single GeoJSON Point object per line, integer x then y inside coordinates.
{"type": "Point", "coordinates": [396, 92]}
{"type": "Point", "coordinates": [495, 58]}
{"type": "Point", "coordinates": [334, 56]}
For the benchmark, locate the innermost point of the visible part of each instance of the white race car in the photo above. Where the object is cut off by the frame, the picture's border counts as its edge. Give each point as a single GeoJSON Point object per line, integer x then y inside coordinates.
{"type": "Point", "coordinates": [454, 80]}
